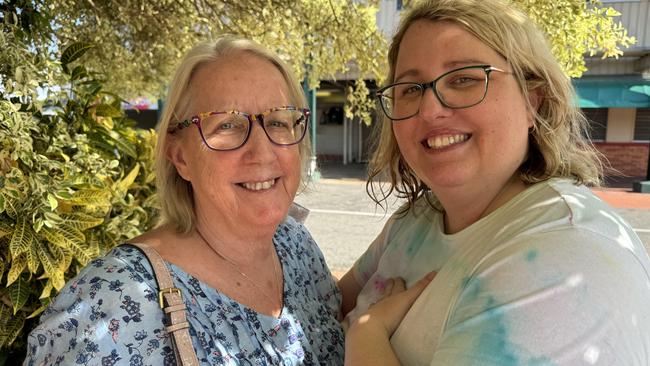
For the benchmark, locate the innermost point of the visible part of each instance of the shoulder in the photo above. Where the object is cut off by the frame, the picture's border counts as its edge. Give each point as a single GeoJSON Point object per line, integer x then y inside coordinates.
{"type": "Point", "coordinates": [416, 216]}
{"type": "Point", "coordinates": [123, 273]}
{"type": "Point", "coordinates": [109, 311]}
{"type": "Point", "coordinates": [292, 235]}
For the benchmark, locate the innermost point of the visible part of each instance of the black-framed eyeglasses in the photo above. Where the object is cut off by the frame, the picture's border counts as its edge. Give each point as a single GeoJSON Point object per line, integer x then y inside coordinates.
{"type": "Point", "coordinates": [459, 88]}
{"type": "Point", "coordinates": [229, 130]}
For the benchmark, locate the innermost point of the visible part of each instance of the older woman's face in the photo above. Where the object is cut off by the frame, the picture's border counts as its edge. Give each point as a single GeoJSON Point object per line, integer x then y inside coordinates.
{"type": "Point", "coordinates": [253, 186]}
{"type": "Point", "coordinates": [450, 148]}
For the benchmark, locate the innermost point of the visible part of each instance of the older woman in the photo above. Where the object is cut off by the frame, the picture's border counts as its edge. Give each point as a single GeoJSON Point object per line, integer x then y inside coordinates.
{"type": "Point", "coordinates": [255, 286]}
{"type": "Point", "coordinates": [483, 138]}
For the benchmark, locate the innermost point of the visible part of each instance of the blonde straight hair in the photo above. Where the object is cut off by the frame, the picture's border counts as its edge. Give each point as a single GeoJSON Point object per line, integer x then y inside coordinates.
{"type": "Point", "coordinates": [558, 142]}
{"type": "Point", "coordinates": [174, 193]}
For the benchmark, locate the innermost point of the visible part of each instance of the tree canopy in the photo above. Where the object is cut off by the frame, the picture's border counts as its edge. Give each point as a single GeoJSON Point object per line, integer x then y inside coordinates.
{"type": "Point", "coordinates": [138, 43]}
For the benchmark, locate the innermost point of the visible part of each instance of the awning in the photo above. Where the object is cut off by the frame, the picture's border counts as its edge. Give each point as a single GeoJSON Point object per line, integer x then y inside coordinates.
{"type": "Point", "coordinates": [613, 92]}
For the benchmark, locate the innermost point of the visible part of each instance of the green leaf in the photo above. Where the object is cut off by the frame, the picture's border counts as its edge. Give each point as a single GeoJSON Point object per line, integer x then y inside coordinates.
{"type": "Point", "coordinates": [17, 266]}
{"type": "Point", "coordinates": [47, 290]}
{"type": "Point", "coordinates": [19, 293]}
{"type": "Point", "coordinates": [123, 185]}
{"type": "Point", "coordinates": [11, 325]}
{"type": "Point", "coordinates": [91, 197]}
{"type": "Point", "coordinates": [22, 238]}
{"type": "Point", "coordinates": [81, 221]}
{"type": "Point", "coordinates": [32, 259]}
{"type": "Point", "coordinates": [79, 72]}
{"type": "Point", "coordinates": [5, 228]}
{"type": "Point", "coordinates": [82, 251]}
{"type": "Point", "coordinates": [63, 236]}
{"type": "Point", "coordinates": [52, 201]}
{"type": "Point", "coordinates": [51, 267]}
{"type": "Point", "coordinates": [73, 52]}
{"type": "Point", "coordinates": [107, 110]}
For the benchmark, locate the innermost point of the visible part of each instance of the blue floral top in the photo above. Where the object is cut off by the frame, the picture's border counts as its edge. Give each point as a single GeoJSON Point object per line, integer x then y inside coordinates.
{"type": "Point", "coordinates": [109, 315]}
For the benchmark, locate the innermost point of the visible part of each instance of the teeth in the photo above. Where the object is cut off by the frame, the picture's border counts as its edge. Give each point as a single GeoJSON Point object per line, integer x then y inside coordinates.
{"type": "Point", "coordinates": [439, 142]}
{"type": "Point", "coordinates": [258, 186]}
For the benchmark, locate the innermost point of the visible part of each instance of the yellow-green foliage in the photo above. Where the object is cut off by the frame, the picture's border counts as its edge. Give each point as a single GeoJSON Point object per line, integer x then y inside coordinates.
{"type": "Point", "coordinates": [75, 178]}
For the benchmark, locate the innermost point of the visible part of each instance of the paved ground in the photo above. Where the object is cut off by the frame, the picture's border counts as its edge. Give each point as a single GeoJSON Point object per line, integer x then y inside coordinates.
{"type": "Point", "coordinates": [344, 220]}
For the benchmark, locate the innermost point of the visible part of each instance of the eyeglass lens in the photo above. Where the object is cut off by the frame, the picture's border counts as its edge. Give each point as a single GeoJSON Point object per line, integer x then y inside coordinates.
{"type": "Point", "coordinates": [458, 89]}
{"type": "Point", "coordinates": [229, 130]}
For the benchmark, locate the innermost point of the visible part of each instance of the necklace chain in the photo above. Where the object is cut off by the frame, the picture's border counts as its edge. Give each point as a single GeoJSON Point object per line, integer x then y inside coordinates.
{"type": "Point", "coordinates": [241, 273]}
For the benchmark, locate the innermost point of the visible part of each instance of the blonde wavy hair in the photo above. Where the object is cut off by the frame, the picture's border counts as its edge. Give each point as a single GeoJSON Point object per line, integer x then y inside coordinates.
{"type": "Point", "coordinates": [558, 146]}
{"type": "Point", "coordinates": [174, 193]}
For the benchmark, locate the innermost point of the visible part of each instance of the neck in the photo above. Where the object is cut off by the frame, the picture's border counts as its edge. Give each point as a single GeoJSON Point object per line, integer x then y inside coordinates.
{"type": "Point", "coordinates": [243, 248]}
{"type": "Point", "coordinates": [465, 206]}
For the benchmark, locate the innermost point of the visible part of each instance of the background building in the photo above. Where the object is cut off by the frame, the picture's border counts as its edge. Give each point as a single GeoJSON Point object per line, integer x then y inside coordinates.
{"type": "Point", "coordinates": [615, 95]}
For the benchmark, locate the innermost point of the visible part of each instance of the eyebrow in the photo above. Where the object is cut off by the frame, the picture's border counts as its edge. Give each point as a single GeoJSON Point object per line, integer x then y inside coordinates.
{"type": "Point", "coordinates": [449, 65]}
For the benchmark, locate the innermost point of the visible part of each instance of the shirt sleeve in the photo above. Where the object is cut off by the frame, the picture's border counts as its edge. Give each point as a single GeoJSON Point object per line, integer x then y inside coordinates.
{"type": "Point", "coordinates": [568, 297]}
{"type": "Point", "coordinates": [107, 315]}
{"type": "Point", "coordinates": [367, 264]}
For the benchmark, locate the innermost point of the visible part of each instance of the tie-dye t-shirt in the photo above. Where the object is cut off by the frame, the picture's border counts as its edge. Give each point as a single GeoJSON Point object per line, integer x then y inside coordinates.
{"type": "Point", "coordinates": [553, 277]}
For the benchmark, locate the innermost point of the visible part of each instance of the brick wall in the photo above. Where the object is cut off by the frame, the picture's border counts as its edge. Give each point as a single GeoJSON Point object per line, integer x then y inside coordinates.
{"type": "Point", "coordinates": [630, 158]}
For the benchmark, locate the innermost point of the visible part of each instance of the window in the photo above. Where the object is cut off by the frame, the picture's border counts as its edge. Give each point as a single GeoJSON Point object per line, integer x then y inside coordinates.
{"type": "Point", "coordinates": [597, 118]}
{"type": "Point", "coordinates": [642, 125]}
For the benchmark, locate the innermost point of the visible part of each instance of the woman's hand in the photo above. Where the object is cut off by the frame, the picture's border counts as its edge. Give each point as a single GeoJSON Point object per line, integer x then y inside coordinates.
{"type": "Point", "coordinates": [367, 340]}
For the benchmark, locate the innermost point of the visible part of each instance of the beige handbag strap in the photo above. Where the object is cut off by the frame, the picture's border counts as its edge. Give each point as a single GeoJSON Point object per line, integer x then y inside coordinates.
{"type": "Point", "coordinates": [171, 302]}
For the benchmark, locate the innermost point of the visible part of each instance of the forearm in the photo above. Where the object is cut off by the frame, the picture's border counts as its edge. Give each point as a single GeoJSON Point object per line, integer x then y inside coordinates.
{"type": "Point", "coordinates": [368, 344]}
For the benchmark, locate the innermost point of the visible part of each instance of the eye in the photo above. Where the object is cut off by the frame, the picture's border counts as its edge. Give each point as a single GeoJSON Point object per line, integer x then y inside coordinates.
{"type": "Point", "coordinates": [225, 126]}
{"type": "Point", "coordinates": [464, 79]}
{"type": "Point", "coordinates": [411, 89]}
{"type": "Point", "coordinates": [277, 124]}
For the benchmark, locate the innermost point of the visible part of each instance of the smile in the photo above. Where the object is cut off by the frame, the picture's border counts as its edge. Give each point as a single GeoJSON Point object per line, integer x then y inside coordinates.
{"type": "Point", "coordinates": [258, 186]}
{"type": "Point", "coordinates": [439, 142]}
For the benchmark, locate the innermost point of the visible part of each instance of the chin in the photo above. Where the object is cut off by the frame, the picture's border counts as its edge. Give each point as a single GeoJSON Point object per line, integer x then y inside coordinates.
{"type": "Point", "coordinates": [270, 216]}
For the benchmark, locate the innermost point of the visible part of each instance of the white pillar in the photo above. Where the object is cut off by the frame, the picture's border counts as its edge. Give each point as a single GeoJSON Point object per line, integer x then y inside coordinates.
{"type": "Point", "coordinates": [345, 139]}
{"type": "Point", "coordinates": [360, 141]}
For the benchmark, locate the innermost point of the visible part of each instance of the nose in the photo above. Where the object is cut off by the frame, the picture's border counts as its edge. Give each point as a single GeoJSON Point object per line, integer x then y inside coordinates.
{"type": "Point", "coordinates": [430, 106]}
{"type": "Point", "coordinates": [259, 148]}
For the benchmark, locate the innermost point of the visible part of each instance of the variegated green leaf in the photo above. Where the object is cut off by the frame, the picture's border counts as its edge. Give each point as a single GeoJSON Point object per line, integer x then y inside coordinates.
{"type": "Point", "coordinates": [49, 263]}
{"type": "Point", "coordinates": [11, 205]}
{"type": "Point", "coordinates": [82, 252]}
{"type": "Point", "coordinates": [5, 228]}
{"type": "Point", "coordinates": [19, 293]}
{"type": "Point", "coordinates": [51, 199]}
{"type": "Point", "coordinates": [58, 280]}
{"type": "Point", "coordinates": [18, 264]}
{"type": "Point", "coordinates": [63, 236]}
{"type": "Point", "coordinates": [11, 326]}
{"type": "Point", "coordinates": [81, 221]}
{"type": "Point", "coordinates": [32, 259]}
{"type": "Point", "coordinates": [73, 52]}
{"type": "Point", "coordinates": [47, 290]}
{"type": "Point", "coordinates": [123, 144]}
{"type": "Point", "coordinates": [123, 185]}
{"type": "Point", "coordinates": [91, 197]}
{"type": "Point", "coordinates": [22, 237]}
{"type": "Point", "coordinates": [107, 110]}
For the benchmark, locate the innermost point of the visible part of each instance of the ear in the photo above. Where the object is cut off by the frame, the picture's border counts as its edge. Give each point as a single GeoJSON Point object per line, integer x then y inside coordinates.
{"type": "Point", "coordinates": [535, 98]}
{"type": "Point", "coordinates": [177, 155]}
